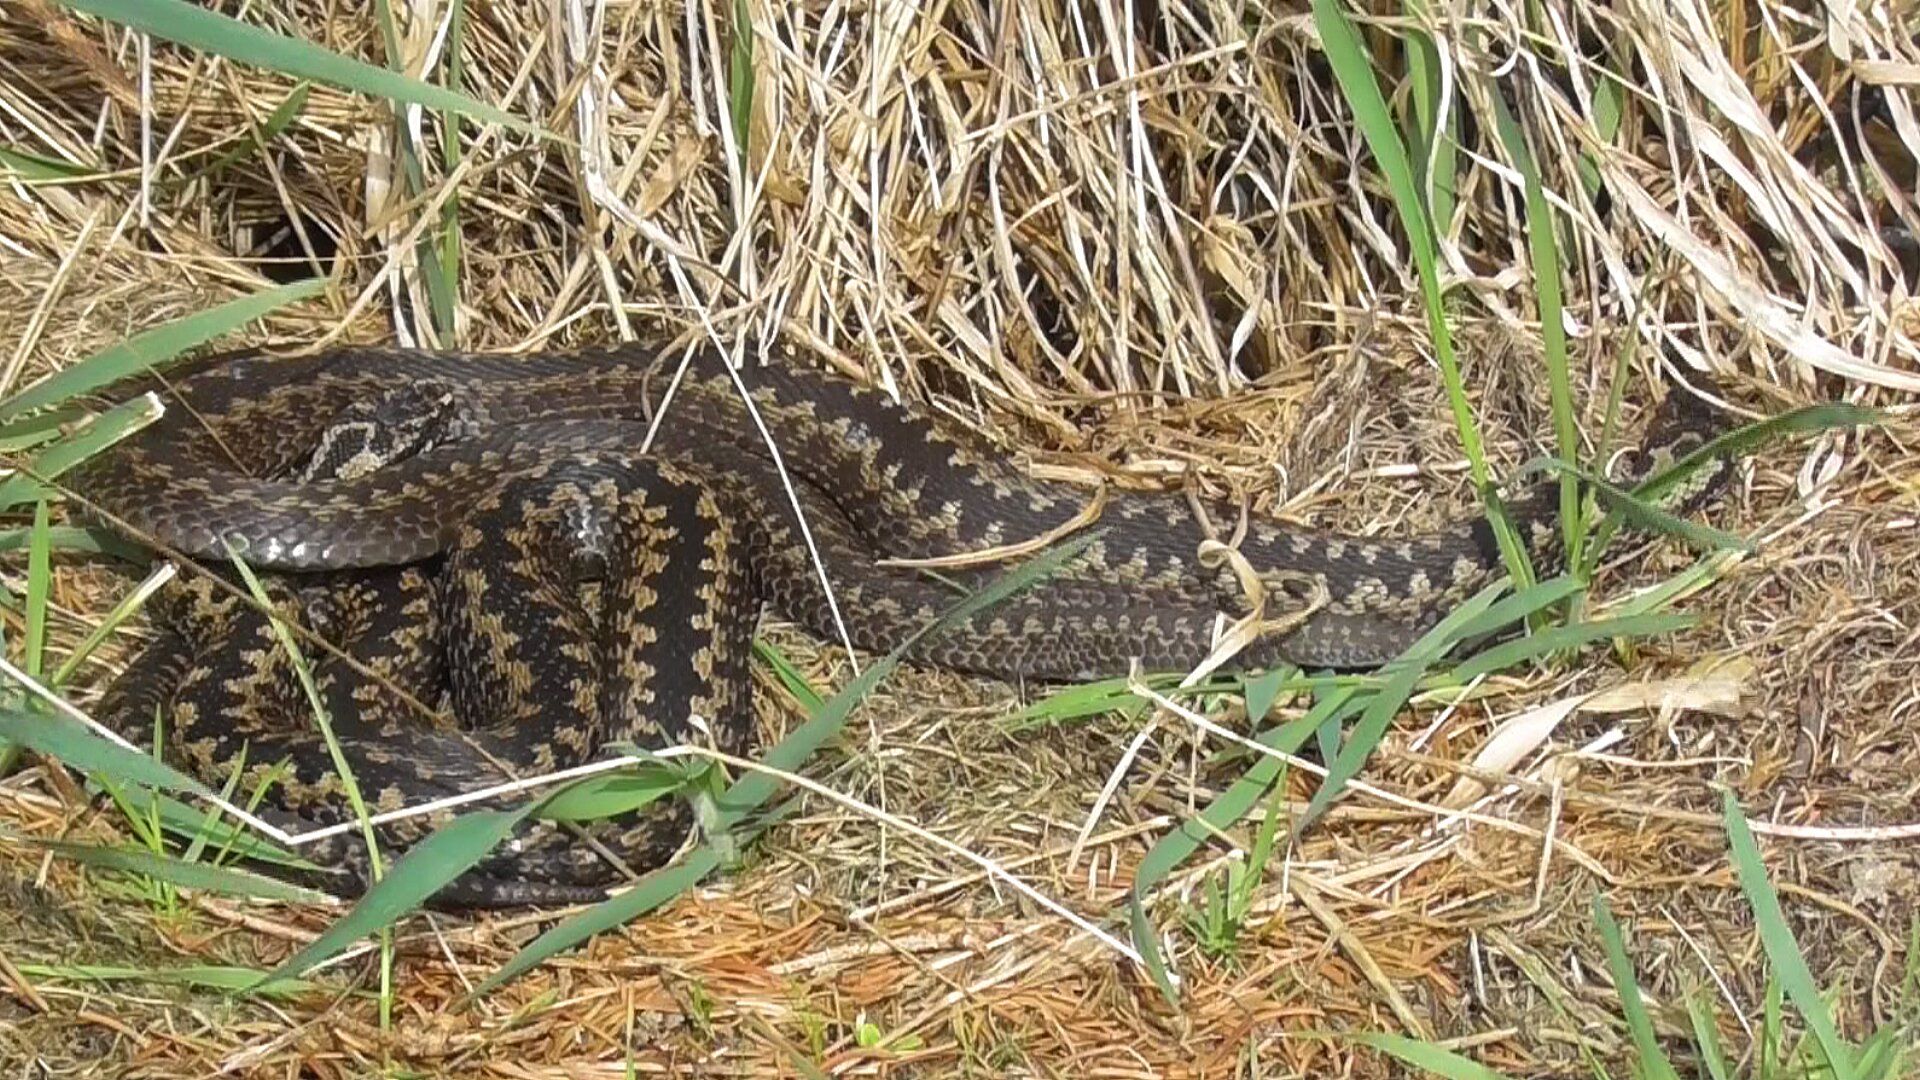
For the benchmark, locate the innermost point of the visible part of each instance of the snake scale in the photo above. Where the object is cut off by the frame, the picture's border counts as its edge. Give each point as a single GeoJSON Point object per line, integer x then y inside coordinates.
{"type": "Point", "coordinates": [563, 550]}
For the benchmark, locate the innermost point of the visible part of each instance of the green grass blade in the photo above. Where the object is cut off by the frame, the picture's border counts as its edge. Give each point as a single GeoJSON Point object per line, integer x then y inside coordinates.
{"type": "Point", "coordinates": [1352, 69]}
{"type": "Point", "coordinates": [1706, 1036]}
{"type": "Point", "coordinates": [447, 257]}
{"type": "Point", "coordinates": [1427, 1057]}
{"type": "Point", "coordinates": [349, 785]}
{"type": "Point", "coordinates": [422, 871]}
{"type": "Point", "coordinates": [789, 676]}
{"type": "Point", "coordinates": [70, 538]}
{"type": "Point", "coordinates": [1403, 676]}
{"type": "Point", "coordinates": [1147, 943]}
{"type": "Point", "coordinates": [199, 28]}
{"type": "Point", "coordinates": [1545, 256]}
{"type": "Point", "coordinates": [1228, 808]}
{"type": "Point", "coordinates": [1635, 509]}
{"type": "Point", "coordinates": [1807, 419]}
{"type": "Point", "coordinates": [1240, 797]}
{"type": "Point", "coordinates": [1437, 136]}
{"type": "Point", "coordinates": [1783, 952]}
{"type": "Point", "coordinates": [1882, 1056]}
{"type": "Point", "coordinates": [155, 346]}
{"type": "Point", "coordinates": [31, 167]}
{"type": "Point", "coordinates": [1685, 583]}
{"type": "Point", "coordinates": [1607, 99]}
{"type": "Point", "coordinates": [121, 611]}
{"type": "Point", "coordinates": [105, 430]}
{"type": "Point", "coordinates": [1653, 1064]}
{"type": "Point", "coordinates": [650, 892]}
{"type": "Point", "coordinates": [198, 976]}
{"type": "Point", "coordinates": [605, 796]}
{"type": "Point", "coordinates": [1772, 1029]}
{"type": "Point", "coordinates": [1263, 690]}
{"type": "Point", "coordinates": [1082, 700]}
{"type": "Point", "coordinates": [740, 78]}
{"type": "Point", "coordinates": [263, 134]}
{"type": "Point", "coordinates": [69, 741]}
{"type": "Point", "coordinates": [792, 752]}
{"type": "Point", "coordinates": [1572, 636]}
{"type": "Point", "coordinates": [39, 584]}
{"type": "Point", "coordinates": [1522, 605]}
{"type": "Point", "coordinates": [187, 875]}
{"type": "Point", "coordinates": [194, 826]}
{"type": "Point", "coordinates": [28, 432]}
{"type": "Point", "coordinates": [1367, 732]}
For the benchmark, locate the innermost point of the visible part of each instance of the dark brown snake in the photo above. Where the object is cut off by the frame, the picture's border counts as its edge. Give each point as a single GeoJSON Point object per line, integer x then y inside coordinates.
{"type": "Point", "coordinates": [488, 534]}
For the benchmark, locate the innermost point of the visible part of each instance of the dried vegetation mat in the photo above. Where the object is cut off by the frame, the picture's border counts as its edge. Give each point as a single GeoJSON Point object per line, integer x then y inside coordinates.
{"type": "Point", "coordinates": [1338, 261]}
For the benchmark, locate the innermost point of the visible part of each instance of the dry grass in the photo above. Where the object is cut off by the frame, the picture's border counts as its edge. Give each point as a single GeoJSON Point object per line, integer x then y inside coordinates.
{"type": "Point", "coordinates": [1051, 222]}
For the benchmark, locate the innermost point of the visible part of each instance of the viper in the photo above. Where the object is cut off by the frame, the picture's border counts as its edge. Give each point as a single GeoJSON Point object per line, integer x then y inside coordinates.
{"type": "Point", "coordinates": [516, 561]}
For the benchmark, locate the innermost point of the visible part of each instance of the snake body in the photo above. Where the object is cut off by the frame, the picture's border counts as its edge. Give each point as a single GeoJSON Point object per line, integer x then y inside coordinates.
{"type": "Point", "coordinates": [567, 549]}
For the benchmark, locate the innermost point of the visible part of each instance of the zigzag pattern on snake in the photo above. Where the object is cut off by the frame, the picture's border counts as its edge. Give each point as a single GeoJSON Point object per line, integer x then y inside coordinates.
{"type": "Point", "coordinates": [565, 550]}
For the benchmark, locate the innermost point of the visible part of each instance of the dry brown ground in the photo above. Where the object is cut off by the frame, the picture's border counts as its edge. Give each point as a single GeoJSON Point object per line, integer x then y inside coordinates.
{"type": "Point", "coordinates": [1051, 222]}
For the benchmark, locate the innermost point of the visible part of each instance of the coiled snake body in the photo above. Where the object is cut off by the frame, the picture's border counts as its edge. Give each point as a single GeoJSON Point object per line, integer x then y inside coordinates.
{"type": "Point", "coordinates": [565, 550]}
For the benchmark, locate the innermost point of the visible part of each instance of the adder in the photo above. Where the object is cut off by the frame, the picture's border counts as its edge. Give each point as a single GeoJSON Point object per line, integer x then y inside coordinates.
{"type": "Point", "coordinates": [562, 550]}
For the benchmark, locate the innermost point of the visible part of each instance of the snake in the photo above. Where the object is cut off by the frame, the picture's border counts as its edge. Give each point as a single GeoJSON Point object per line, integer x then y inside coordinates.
{"type": "Point", "coordinates": [522, 560]}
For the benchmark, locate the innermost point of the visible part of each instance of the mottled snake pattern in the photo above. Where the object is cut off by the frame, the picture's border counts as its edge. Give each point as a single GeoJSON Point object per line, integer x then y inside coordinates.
{"type": "Point", "coordinates": [558, 551]}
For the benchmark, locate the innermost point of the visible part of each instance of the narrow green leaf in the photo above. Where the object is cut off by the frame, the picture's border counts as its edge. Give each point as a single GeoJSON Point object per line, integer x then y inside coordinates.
{"type": "Point", "coordinates": [69, 741]}
{"type": "Point", "coordinates": [153, 347]}
{"type": "Point", "coordinates": [1882, 1056]}
{"type": "Point", "coordinates": [651, 891]}
{"type": "Point", "coordinates": [789, 676]}
{"type": "Point", "coordinates": [1640, 512]}
{"type": "Point", "coordinates": [263, 134]}
{"type": "Point", "coordinates": [1685, 583]}
{"type": "Point", "coordinates": [1783, 952]}
{"type": "Point", "coordinates": [1810, 418]}
{"type": "Point", "coordinates": [1147, 943]}
{"type": "Point", "coordinates": [1572, 636]}
{"type": "Point", "coordinates": [599, 797]}
{"type": "Point", "coordinates": [1653, 1064]}
{"type": "Point", "coordinates": [447, 257]}
{"type": "Point", "coordinates": [1263, 690]}
{"type": "Point", "coordinates": [422, 871]}
{"type": "Point", "coordinates": [1353, 70]}
{"type": "Point", "coordinates": [186, 875]}
{"type": "Point", "coordinates": [39, 585]}
{"type": "Point", "coordinates": [1519, 607]}
{"type": "Point", "coordinates": [1706, 1036]}
{"type": "Point", "coordinates": [27, 432]}
{"type": "Point", "coordinates": [740, 78]}
{"type": "Point", "coordinates": [1366, 734]}
{"type": "Point", "coordinates": [349, 784]}
{"type": "Point", "coordinates": [209, 31]}
{"type": "Point", "coordinates": [1233, 804]}
{"type": "Point", "coordinates": [1436, 133]}
{"type": "Point", "coordinates": [755, 788]}
{"type": "Point", "coordinates": [1423, 1055]}
{"type": "Point", "coordinates": [32, 167]}
{"type": "Point", "coordinates": [1077, 701]}
{"type": "Point", "coordinates": [193, 825]}
{"type": "Point", "coordinates": [68, 538]}
{"type": "Point", "coordinates": [1545, 256]}
{"type": "Point", "coordinates": [1404, 675]}
{"type": "Point", "coordinates": [1606, 123]}
{"type": "Point", "coordinates": [106, 429]}
{"type": "Point", "coordinates": [122, 610]}
{"type": "Point", "coordinates": [202, 976]}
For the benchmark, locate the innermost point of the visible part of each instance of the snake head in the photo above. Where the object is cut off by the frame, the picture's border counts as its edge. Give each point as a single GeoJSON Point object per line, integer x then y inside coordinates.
{"type": "Point", "coordinates": [1682, 424]}
{"type": "Point", "coordinates": [401, 423]}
